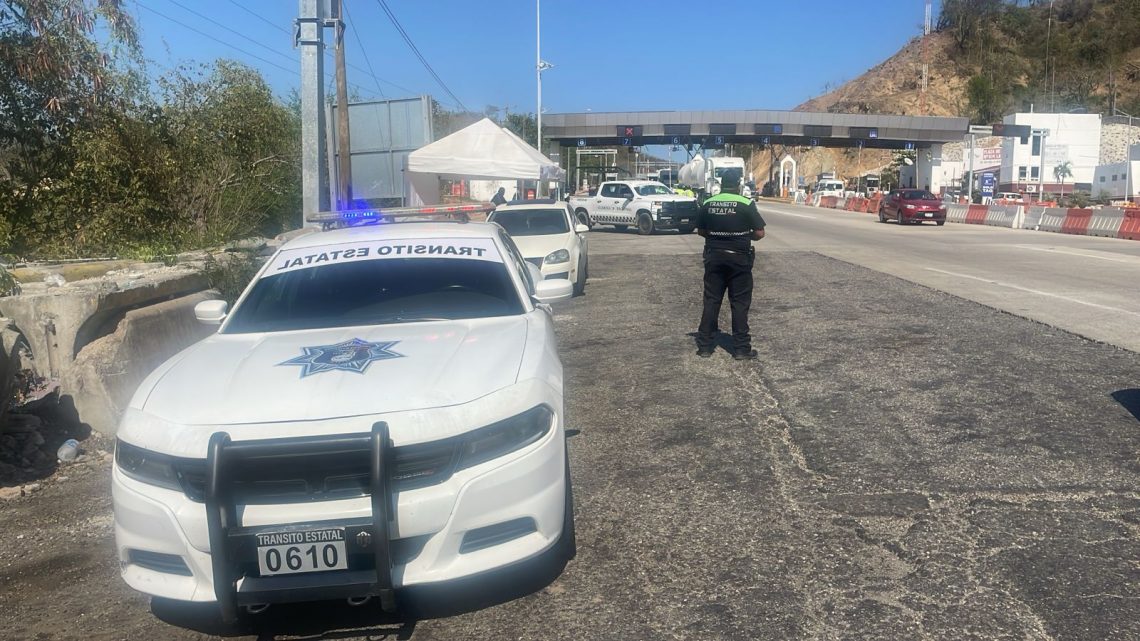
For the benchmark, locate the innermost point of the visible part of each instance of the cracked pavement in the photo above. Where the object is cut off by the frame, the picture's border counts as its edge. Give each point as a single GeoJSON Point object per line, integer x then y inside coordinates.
{"type": "Point", "coordinates": [900, 464]}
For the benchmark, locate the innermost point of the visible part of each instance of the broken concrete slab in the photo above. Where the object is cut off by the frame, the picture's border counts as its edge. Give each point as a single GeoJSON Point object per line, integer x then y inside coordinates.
{"type": "Point", "coordinates": [107, 371]}
{"type": "Point", "coordinates": [59, 321]}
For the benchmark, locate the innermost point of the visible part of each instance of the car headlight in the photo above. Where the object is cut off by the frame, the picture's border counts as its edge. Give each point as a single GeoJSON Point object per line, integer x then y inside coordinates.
{"type": "Point", "coordinates": [560, 256]}
{"type": "Point", "coordinates": [909, 206]}
{"type": "Point", "coordinates": [147, 467]}
{"type": "Point", "coordinates": [506, 436]}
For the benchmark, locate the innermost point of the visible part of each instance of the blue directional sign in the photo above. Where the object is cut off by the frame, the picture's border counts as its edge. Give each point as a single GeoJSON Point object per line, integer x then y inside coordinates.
{"type": "Point", "coordinates": [765, 140]}
{"type": "Point", "coordinates": [627, 142]}
{"type": "Point", "coordinates": [676, 140]}
{"type": "Point", "coordinates": [718, 140]}
{"type": "Point", "coordinates": [815, 142]}
{"type": "Point", "coordinates": [581, 142]}
{"type": "Point", "coordinates": [909, 146]}
{"type": "Point", "coordinates": [987, 182]}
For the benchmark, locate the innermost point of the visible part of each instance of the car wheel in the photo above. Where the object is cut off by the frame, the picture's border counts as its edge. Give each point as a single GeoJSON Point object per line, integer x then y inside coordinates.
{"type": "Point", "coordinates": [686, 229]}
{"type": "Point", "coordinates": [940, 222]}
{"type": "Point", "coordinates": [899, 218]}
{"type": "Point", "coordinates": [580, 282]}
{"type": "Point", "coordinates": [584, 218]}
{"type": "Point", "coordinates": [644, 225]}
{"type": "Point", "coordinates": [882, 215]}
{"type": "Point", "coordinates": [568, 541]}
{"type": "Point", "coordinates": [621, 227]}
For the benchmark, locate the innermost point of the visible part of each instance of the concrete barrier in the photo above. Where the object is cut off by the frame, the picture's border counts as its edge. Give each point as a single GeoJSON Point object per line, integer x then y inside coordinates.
{"type": "Point", "coordinates": [956, 213]}
{"type": "Point", "coordinates": [107, 371]}
{"type": "Point", "coordinates": [1004, 216]}
{"type": "Point", "coordinates": [1130, 226]}
{"type": "Point", "coordinates": [976, 215]}
{"type": "Point", "coordinates": [1052, 219]}
{"type": "Point", "coordinates": [1106, 222]}
{"type": "Point", "coordinates": [1032, 218]}
{"type": "Point", "coordinates": [840, 203]}
{"type": "Point", "coordinates": [1076, 222]}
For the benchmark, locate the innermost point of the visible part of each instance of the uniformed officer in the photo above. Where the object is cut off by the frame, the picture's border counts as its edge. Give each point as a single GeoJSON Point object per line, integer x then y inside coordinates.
{"type": "Point", "coordinates": [729, 223]}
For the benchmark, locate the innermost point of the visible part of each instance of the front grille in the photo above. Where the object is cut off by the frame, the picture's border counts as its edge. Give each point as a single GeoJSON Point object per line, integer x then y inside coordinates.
{"type": "Point", "coordinates": [679, 207]}
{"type": "Point", "coordinates": [324, 476]}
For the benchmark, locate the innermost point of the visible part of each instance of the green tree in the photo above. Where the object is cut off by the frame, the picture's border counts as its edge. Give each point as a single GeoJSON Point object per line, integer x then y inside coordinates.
{"type": "Point", "coordinates": [524, 126]}
{"type": "Point", "coordinates": [1061, 172]}
{"type": "Point", "coordinates": [986, 102]}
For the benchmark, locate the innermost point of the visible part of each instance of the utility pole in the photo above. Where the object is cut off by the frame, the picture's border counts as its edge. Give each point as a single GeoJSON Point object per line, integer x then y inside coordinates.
{"type": "Point", "coordinates": [344, 148]}
{"type": "Point", "coordinates": [309, 39]}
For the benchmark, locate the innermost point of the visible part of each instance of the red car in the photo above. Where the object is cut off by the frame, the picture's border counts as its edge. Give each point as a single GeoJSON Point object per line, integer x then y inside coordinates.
{"type": "Point", "coordinates": [906, 206]}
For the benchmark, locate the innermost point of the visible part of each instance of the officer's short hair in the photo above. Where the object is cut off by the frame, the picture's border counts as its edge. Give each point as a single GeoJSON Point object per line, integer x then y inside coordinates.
{"type": "Point", "coordinates": [730, 179]}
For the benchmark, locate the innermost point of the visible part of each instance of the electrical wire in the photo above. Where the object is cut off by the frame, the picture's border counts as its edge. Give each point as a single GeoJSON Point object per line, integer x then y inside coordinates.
{"type": "Point", "coordinates": [363, 50]}
{"type": "Point", "coordinates": [233, 31]}
{"type": "Point", "coordinates": [408, 39]}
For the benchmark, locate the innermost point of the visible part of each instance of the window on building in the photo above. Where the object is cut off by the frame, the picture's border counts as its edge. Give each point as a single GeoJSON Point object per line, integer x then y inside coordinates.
{"type": "Point", "coordinates": [1037, 145]}
{"type": "Point", "coordinates": [1021, 173]}
{"type": "Point", "coordinates": [1102, 178]}
{"type": "Point", "coordinates": [1034, 173]}
{"type": "Point", "coordinates": [1114, 176]}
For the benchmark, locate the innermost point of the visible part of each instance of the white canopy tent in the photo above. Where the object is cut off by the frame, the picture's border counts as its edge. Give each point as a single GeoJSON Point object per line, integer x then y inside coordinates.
{"type": "Point", "coordinates": [482, 151]}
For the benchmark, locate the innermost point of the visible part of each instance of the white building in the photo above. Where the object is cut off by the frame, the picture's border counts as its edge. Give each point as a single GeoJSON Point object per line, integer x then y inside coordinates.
{"type": "Point", "coordinates": [1072, 138]}
{"type": "Point", "coordinates": [1118, 181]}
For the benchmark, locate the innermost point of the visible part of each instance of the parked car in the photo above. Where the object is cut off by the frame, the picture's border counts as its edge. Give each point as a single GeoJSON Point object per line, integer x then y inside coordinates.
{"type": "Point", "coordinates": [912, 206]}
{"type": "Point", "coordinates": [649, 205]}
{"type": "Point", "coordinates": [382, 408]}
{"type": "Point", "coordinates": [549, 237]}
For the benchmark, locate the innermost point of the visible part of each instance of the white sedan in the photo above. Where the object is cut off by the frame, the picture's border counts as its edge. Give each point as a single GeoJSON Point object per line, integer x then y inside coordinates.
{"type": "Point", "coordinates": [382, 408]}
{"type": "Point", "coordinates": [550, 237]}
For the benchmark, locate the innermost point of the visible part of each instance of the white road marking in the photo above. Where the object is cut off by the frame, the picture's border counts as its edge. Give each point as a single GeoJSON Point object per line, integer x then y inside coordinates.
{"type": "Point", "coordinates": [783, 213]}
{"type": "Point", "coordinates": [1034, 291]}
{"type": "Point", "coordinates": [1123, 259]}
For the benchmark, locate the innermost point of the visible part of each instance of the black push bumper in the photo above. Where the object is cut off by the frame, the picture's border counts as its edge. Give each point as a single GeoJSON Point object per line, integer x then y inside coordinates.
{"type": "Point", "coordinates": [233, 547]}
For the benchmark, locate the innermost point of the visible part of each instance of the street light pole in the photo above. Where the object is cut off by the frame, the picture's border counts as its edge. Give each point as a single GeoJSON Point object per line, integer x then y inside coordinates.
{"type": "Point", "coordinates": [538, 69]}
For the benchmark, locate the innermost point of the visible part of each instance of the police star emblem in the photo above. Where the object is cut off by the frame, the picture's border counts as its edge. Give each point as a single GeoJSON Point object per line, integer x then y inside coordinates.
{"type": "Point", "coordinates": [350, 356]}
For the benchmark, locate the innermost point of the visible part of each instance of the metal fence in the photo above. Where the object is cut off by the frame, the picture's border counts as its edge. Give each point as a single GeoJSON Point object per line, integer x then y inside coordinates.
{"type": "Point", "coordinates": [382, 133]}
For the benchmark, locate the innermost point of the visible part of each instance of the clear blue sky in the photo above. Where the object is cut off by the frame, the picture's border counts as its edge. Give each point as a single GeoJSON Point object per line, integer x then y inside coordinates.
{"type": "Point", "coordinates": [608, 56]}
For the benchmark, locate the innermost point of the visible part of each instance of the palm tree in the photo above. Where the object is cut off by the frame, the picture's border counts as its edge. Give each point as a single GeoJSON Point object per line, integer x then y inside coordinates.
{"type": "Point", "coordinates": [1062, 171]}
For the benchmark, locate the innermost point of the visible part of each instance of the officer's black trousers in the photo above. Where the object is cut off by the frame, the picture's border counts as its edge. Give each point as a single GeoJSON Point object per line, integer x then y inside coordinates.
{"type": "Point", "coordinates": [731, 271]}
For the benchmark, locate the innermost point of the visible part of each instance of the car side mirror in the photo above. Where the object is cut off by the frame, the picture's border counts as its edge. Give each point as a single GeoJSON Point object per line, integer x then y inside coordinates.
{"type": "Point", "coordinates": [581, 229]}
{"type": "Point", "coordinates": [211, 312]}
{"type": "Point", "coordinates": [553, 291]}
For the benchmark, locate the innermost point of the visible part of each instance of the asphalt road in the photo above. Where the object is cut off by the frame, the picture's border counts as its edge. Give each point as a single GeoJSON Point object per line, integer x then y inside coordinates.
{"type": "Point", "coordinates": [902, 463]}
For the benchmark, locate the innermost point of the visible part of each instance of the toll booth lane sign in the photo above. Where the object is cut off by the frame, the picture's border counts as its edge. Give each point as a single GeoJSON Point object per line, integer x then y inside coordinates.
{"type": "Point", "coordinates": [987, 182]}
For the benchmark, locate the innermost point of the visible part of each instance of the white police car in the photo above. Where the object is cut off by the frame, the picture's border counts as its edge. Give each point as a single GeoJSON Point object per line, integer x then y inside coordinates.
{"type": "Point", "coordinates": [382, 408]}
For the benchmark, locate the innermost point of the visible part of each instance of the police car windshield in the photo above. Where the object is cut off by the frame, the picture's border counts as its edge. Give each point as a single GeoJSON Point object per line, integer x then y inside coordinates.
{"type": "Point", "coordinates": [653, 190]}
{"type": "Point", "coordinates": [532, 222]}
{"type": "Point", "coordinates": [376, 292]}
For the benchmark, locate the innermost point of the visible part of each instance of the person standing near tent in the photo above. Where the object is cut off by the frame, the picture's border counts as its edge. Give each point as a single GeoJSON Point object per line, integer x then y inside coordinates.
{"type": "Point", "coordinates": [500, 197]}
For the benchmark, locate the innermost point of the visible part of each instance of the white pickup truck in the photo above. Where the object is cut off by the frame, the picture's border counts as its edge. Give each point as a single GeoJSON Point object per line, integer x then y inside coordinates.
{"type": "Point", "coordinates": [646, 204]}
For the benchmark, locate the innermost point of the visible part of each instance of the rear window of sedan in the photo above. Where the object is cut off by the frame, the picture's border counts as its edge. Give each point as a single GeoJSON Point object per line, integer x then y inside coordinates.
{"type": "Point", "coordinates": [917, 194]}
{"type": "Point", "coordinates": [532, 222]}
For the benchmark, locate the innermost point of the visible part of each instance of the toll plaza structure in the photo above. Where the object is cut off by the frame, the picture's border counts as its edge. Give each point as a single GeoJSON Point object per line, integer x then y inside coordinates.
{"type": "Point", "coordinates": [716, 129]}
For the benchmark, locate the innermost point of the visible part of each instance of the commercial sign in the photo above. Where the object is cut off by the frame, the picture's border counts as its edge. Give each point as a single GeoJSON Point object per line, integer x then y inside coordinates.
{"type": "Point", "coordinates": [1055, 155]}
{"type": "Point", "coordinates": [987, 183]}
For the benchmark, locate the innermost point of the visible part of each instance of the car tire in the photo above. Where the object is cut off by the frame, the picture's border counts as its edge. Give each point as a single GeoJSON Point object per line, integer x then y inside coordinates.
{"type": "Point", "coordinates": [621, 227]}
{"type": "Point", "coordinates": [899, 218]}
{"type": "Point", "coordinates": [644, 224]}
{"type": "Point", "coordinates": [580, 282]}
{"type": "Point", "coordinates": [686, 229]}
{"type": "Point", "coordinates": [882, 215]}
{"type": "Point", "coordinates": [568, 540]}
{"type": "Point", "coordinates": [940, 222]}
{"type": "Point", "coordinates": [584, 217]}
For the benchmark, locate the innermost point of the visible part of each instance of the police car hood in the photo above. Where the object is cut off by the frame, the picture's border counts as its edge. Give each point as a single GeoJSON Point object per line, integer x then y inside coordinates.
{"type": "Point", "coordinates": [232, 379]}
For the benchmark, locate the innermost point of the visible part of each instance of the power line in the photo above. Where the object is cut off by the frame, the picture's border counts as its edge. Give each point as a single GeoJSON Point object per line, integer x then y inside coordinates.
{"type": "Point", "coordinates": [415, 50]}
{"type": "Point", "coordinates": [352, 24]}
{"type": "Point", "coordinates": [218, 40]}
{"type": "Point", "coordinates": [233, 31]}
{"type": "Point", "coordinates": [260, 17]}
{"type": "Point", "coordinates": [231, 45]}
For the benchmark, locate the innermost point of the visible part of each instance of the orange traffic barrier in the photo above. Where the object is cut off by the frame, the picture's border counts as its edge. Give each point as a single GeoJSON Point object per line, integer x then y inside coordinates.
{"type": "Point", "coordinates": [1130, 226]}
{"type": "Point", "coordinates": [1076, 222]}
{"type": "Point", "coordinates": [976, 215]}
